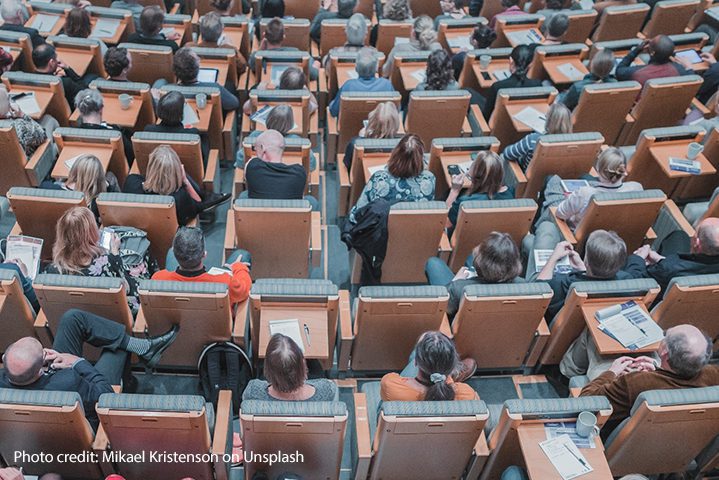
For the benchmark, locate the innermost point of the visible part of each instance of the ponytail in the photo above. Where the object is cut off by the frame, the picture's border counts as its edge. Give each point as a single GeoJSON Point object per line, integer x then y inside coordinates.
{"type": "Point", "coordinates": [424, 32]}
{"type": "Point", "coordinates": [436, 360]}
{"type": "Point", "coordinates": [440, 389]}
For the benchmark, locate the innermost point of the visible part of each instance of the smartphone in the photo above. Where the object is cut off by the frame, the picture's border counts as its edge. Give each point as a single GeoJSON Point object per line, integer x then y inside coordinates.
{"type": "Point", "coordinates": [106, 238]}
{"type": "Point", "coordinates": [453, 170]}
{"type": "Point", "coordinates": [486, 76]}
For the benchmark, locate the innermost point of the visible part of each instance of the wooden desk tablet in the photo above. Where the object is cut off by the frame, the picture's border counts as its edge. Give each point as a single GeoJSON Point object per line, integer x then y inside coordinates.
{"type": "Point", "coordinates": [540, 468]}
{"type": "Point", "coordinates": [219, 65]}
{"type": "Point", "coordinates": [54, 30]}
{"type": "Point", "coordinates": [551, 65]}
{"type": "Point", "coordinates": [204, 114]}
{"type": "Point", "coordinates": [119, 31]}
{"type": "Point", "coordinates": [519, 28]}
{"type": "Point", "coordinates": [78, 60]}
{"type": "Point", "coordinates": [662, 152]}
{"type": "Point", "coordinates": [454, 158]}
{"type": "Point", "coordinates": [316, 346]}
{"type": "Point", "coordinates": [458, 33]}
{"type": "Point", "coordinates": [495, 65]}
{"type": "Point", "coordinates": [407, 71]}
{"type": "Point", "coordinates": [296, 114]}
{"type": "Point", "coordinates": [113, 112]}
{"type": "Point", "coordinates": [606, 345]}
{"type": "Point", "coordinates": [518, 107]}
{"type": "Point", "coordinates": [345, 71]}
{"type": "Point", "coordinates": [42, 97]}
{"type": "Point", "coordinates": [102, 152]}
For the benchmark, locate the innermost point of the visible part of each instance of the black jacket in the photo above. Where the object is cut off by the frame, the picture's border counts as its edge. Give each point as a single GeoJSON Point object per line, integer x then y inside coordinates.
{"type": "Point", "coordinates": [682, 265]}
{"type": "Point", "coordinates": [35, 37]}
{"type": "Point", "coordinates": [368, 235]}
{"type": "Point", "coordinates": [140, 38]}
{"type": "Point", "coordinates": [513, 81]}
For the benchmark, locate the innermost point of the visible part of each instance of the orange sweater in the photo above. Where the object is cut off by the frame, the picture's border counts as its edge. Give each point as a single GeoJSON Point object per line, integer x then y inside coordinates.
{"type": "Point", "coordinates": [239, 282]}
{"type": "Point", "coordinates": [396, 388]}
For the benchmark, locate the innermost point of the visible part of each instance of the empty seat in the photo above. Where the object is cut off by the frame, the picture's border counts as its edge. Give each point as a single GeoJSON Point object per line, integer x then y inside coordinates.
{"type": "Point", "coordinates": [426, 107]}
{"type": "Point", "coordinates": [687, 300]}
{"type": "Point", "coordinates": [620, 21]}
{"type": "Point", "coordinates": [603, 108]}
{"type": "Point", "coordinates": [669, 17]}
{"type": "Point", "coordinates": [18, 170]}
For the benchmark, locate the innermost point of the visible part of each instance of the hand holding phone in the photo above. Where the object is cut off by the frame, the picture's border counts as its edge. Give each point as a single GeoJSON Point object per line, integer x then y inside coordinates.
{"type": "Point", "coordinates": [106, 238]}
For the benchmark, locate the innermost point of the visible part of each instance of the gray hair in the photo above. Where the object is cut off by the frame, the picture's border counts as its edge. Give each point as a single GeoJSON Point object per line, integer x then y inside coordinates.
{"type": "Point", "coordinates": [366, 65]}
{"type": "Point", "coordinates": [211, 27]}
{"type": "Point", "coordinates": [89, 101]}
{"type": "Point", "coordinates": [356, 29]}
{"type": "Point", "coordinates": [189, 247]}
{"type": "Point", "coordinates": [685, 362]}
{"type": "Point", "coordinates": [12, 9]}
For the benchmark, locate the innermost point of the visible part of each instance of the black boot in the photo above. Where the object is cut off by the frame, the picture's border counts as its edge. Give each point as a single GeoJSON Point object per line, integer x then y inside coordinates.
{"type": "Point", "coordinates": [158, 345]}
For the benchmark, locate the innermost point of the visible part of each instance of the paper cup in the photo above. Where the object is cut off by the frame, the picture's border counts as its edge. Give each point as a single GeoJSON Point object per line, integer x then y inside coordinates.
{"type": "Point", "coordinates": [484, 61]}
{"type": "Point", "coordinates": [201, 100]}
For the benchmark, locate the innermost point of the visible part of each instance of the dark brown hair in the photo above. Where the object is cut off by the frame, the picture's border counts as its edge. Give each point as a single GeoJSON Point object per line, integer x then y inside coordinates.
{"type": "Point", "coordinates": [151, 20]}
{"type": "Point", "coordinates": [436, 358]}
{"type": "Point", "coordinates": [285, 367]}
{"type": "Point", "coordinates": [275, 31]}
{"type": "Point", "coordinates": [497, 259]}
{"type": "Point", "coordinates": [407, 158]}
{"type": "Point", "coordinates": [77, 23]}
{"type": "Point", "coordinates": [486, 174]}
{"type": "Point", "coordinates": [186, 65]}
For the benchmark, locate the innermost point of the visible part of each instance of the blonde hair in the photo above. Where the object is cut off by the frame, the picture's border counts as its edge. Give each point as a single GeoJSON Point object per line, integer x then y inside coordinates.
{"type": "Point", "coordinates": [76, 240]}
{"type": "Point", "coordinates": [611, 165]}
{"type": "Point", "coordinates": [88, 177]}
{"type": "Point", "coordinates": [383, 121]}
{"type": "Point", "coordinates": [164, 171]}
{"type": "Point", "coordinates": [559, 119]}
{"type": "Point", "coordinates": [424, 32]}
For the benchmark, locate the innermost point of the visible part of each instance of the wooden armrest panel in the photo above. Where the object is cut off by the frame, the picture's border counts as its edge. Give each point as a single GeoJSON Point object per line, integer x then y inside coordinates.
{"type": "Point", "coordinates": [346, 332]}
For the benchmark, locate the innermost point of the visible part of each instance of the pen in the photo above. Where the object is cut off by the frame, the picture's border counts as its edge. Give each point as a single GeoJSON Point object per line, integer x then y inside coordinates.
{"type": "Point", "coordinates": [307, 334]}
{"type": "Point", "coordinates": [584, 464]}
{"type": "Point", "coordinates": [20, 95]}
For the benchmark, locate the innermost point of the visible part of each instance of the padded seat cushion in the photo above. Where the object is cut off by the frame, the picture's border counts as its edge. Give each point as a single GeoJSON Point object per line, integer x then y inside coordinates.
{"type": "Point", "coordinates": [151, 403]}
{"type": "Point", "coordinates": [45, 398]}
{"type": "Point", "coordinates": [294, 409]}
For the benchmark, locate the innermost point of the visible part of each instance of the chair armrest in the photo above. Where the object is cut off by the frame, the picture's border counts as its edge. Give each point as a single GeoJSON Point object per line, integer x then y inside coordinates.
{"type": "Point", "coordinates": [563, 227]}
{"type": "Point", "coordinates": [42, 329]}
{"type": "Point", "coordinates": [101, 441]}
{"type": "Point", "coordinates": [445, 327]}
{"type": "Point", "coordinates": [229, 136]}
{"type": "Point", "coordinates": [212, 172]}
{"type": "Point", "coordinates": [316, 239]}
{"type": "Point", "coordinates": [344, 190]}
{"type": "Point", "coordinates": [706, 113]}
{"type": "Point", "coordinates": [362, 438]}
{"type": "Point", "coordinates": [670, 219]}
{"type": "Point", "coordinates": [40, 164]}
{"type": "Point", "coordinates": [140, 326]}
{"type": "Point", "coordinates": [238, 330]}
{"type": "Point", "coordinates": [482, 125]}
{"type": "Point", "coordinates": [313, 184]}
{"type": "Point", "coordinates": [223, 434]}
{"type": "Point", "coordinates": [346, 332]}
{"type": "Point", "coordinates": [541, 337]}
{"type": "Point", "coordinates": [445, 247]}
{"type": "Point", "coordinates": [515, 177]}
{"type": "Point", "coordinates": [481, 455]}
{"type": "Point", "coordinates": [230, 232]}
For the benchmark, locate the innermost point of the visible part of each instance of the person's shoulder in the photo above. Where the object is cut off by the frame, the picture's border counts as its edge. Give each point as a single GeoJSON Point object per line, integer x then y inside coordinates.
{"type": "Point", "coordinates": [256, 389]}
{"type": "Point", "coordinates": [462, 391]}
{"type": "Point", "coordinates": [325, 390]}
{"type": "Point", "coordinates": [427, 175]}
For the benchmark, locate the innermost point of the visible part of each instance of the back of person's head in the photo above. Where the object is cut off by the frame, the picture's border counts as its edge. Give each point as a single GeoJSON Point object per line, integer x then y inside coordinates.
{"type": "Point", "coordinates": [281, 119]}
{"type": "Point", "coordinates": [554, 4]}
{"type": "Point", "coordinates": [221, 5]}
{"type": "Point", "coordinates": [270, 143]}
{"type": "Point", "coordinates": [605, 254]}
{"type": "Point", "coordinates": [423, 30]}
{"type": "Point", "coordinates": [43, 54]}
{"type": "Point", "coordinates": [23, 360]}
{"type": "Point", "coordinates": [559, 119]}
{"type": "Point", "coordinates": [87, 176]}
{"type": "Point", "coordinates": [293, 78]}
{"type": "Point", "coordinates": [151, 20]}
{"type": "Point", "coordinates": [486, 174]}
{"type": "Point", "coordinates": [273, 8]}
{"type": "Point", "coordinates": [661, 48]}
{"type": "Point", "coordinates": [397, 10]}
{"type": "Point", "coordinates": [383, 121]}
{"type": "Point", "coordinates": [611, 165]}
{"type": "Point", "coordinates": [285, 367]}
{"type": "Point", "coordinates": [76, 240]}
{"type": "Point", "coordinates": [356, 29]}
{"type": "Point", "coordinates": [211, 27]}
{"type": "Point", "coordinates": [275, 31]}
{"type": "Point", "coordinates": [407, 158]}
{"type": "Point", "coordinates": [509, 3]}
{"type": "Point", "coordinates": [89, 101]}
{"type": "Point", "coordinates": [707, 236]}
{"type": "Point", "coordinates": [634, 476]}
{"type": "Point", "coordinates": [116, 60]}
{"type": "Point", "coordinates": [345, 8]}
{"type": "Point", "coordinates": [164, 171]}
{"type": "Point", "coordinates": [521, 57]}
{"type": "Point", "coordinates": [439, 70]}
{"type": "Point", "coordinates": [688, 350]}
{"type": "Point", "coordinates": [497, 259]}
{"type": "Point", "coordinates": [366, 63]}
{"type": "Point", "coordinates": [170, 108]}
{"type": "Point", "coordinates": [558, 25]}
{"type": "Point", "coordinates": [436, 360]}
{"type": "Point", "coordinates": [188, 246]}
{"type": "Point", "coordinates": [77, 23]}
{"type": "Point", "coordinates": [602, 63]}
{"type": "Point", "coordinates": [483, 36]}
{"type": "Point", "coordinates": [186, 65]}
{"type": "Point", "coordinates": [12, 12]}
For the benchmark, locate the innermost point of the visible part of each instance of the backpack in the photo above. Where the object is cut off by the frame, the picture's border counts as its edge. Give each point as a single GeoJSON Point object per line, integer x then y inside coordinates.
{"type": "Point", "coordinates": [368, 235]}
{"type": "Point", "coordinates": [224, 366]}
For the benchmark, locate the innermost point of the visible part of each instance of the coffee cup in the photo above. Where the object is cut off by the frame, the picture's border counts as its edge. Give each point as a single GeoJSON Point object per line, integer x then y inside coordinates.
{"type": "Point", "coordinates": [125, 101]}
{"type": "Point", "coordinates": [694, 150]}
{"type": "Point", "coordinates": [201, 100]}
{"type": "Point", "coordinates": [587, 425]}
{"type": "Point", "coordinates": [484, 61]}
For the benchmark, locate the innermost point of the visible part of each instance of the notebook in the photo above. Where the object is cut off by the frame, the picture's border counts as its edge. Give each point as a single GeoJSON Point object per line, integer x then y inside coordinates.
{"type": "Point", "coordinates": [105, 28]}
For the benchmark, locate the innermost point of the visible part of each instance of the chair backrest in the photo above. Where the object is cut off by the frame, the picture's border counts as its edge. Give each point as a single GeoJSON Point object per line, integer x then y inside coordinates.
{"type": "Point", "coordinates": [222, 59]}
{"type": "Point", "coordinates": [297, 151]}
{"type": "Point", "coordinates": [389, 320]}
{"type": "Point", "coordinates": [103, 143]}
{"type": "Point", "coordinates": [451, 28]}
{"type": "Point", "coordinates": [43, 85]}
{"type": "Point", "coordinates": [511, 101]}
{"type": "Point", "coordinates": [581, 24]}
{"type": "Point", "coordinates": [17, 171]}
{"type": "Point", "coordinates": [333, 34]}
{"type": "Point", "coordinates": [687, 300]}
{"type": "Point", "coordinates": [603, 108]}
{"type": "Point", "coordinates": [345, 61]}
{"type": "Point", "coordinates": [150, 63]}
{"type": "Point", "coordinates": [314, 429]}
{"type": "Point", "coordinates": [236, 29]}
{"type": "Point", "coordinates": [409, 62]}
{"type": "Point", "coordinates": [81, 54]}
{"type": "Point", "coordinates": [182, 24]}
{"type": "Point", "coordinates": [297, 32]}
{"type": "Point", "coordinates": [267, 60]}
{"type": "Point", "coordinates": [667, 429]}
{"type": "Point", "coordinates": [298, 100]}
{"type": "Point", "coordinates": [124, 19]}
{"type": "Point", "coordinates": [388, 30]}
{"type": "Point", "coordinates": [205, 6]}
{"type": "Point", "coordinates": [26, 418]}
{"type": "Point", "coordinates": [355, 107]}
{"type": "Point", "coordinates": [547, 56]}
{"type": "Point", "coordinates": [137, 423]}
{"type": "Point", "coordinates": [669, 17]}
{"type": "Point", "coordinates": [202, 309]}
{"type": "Point", "coordinates": [453, 150]}
{"type": "Point", "coordinates": [619, 48]}
{"type": "Point", "coordinates": [689, 41]}
{"type": "Point", "coordinates": [277, 232]}
{"type": "Point", "coordinates": [186, 145]}
{"type": "Point", "coordinates": [620, 21]}
{"type": "Point", "coordinates": [425, 7]}
{"type": "Point", "coordinates": [16, 313]}
{"type": "Point", "coordinates": [38, 211]}
{"type": "Point", "coordinates": [302, 8]}
{"type": "Point", "coordinates": [512, 23]}
{"type": "Point", "coordinates": [452, 105]}
{"type": "Point", "coordinates": [492, 7]}
{"type": "Point", "coordinates": [20, 44]}
{"type": "Point", "coordinates": [478, 218]}
{"type": "Point", "coordinates": [567, 155]}
{"type": "Point", "coordinates": [496, 325]}
{"type": "Point", "coordinates": [569, 322]}
{"type": "Point", "coordinates": [155, 214]}
{"type": "Point", "coordinates": [139, 91]}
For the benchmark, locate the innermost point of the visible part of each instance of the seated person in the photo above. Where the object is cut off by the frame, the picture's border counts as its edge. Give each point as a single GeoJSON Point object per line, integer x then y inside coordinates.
{"type": "Point", "coordinates": [224, 7]}
{"type": "Point", "coordinates": [356, 32]}
{"type": "Point", "coordinates": [46, 63]}
{"type": "Point", "coordinates": [150, 32]}
{"type": "Point", "coordinates": [711, 78]}
{"type": "Point", "coordinates": [519, 61]}
{"type": "Point", "coordinates": [28, 366]}
{"type": "Point", "coordinates": [366, 81]}
{"type": "Point", "coordinates": [269, 9]}
{"type": "Point", "coordinates": [682, 256]}
{"type": "Point", "coordinates": [345, 9]}
{"type": "Point", "coordinates": [170, 110]}
{"type": "Point", "coordinates": [286, 372]}
{"type": "Point", "coordinates": [30, 134]}
{"type": "Point", "coordinates": [90, 104]}
{"type": "Point", "coordinates": [481, 37]}
{"type": "Point", "coordinates": [439, 74]}
{"type": "Point", "coordinates": [559, 121]}
{"type": "Point", "coordinates": [396, 10]}
{"type": "Point", "coordinates": [14, 16]}
{"type": "Point", "coordinates": [272, 40]}
{"type": "Point", "coordinates": [434, 373]}
{"type": "Point", "coordinates": [21, 269]}
{"type": "Point", "coordinates": [684, 355]}
{"type": "Point", "coordinates": [451, 10]}
{"type": "Point", "coordinates": [511, 7]}
{"type": "Point", "coordinates": [404, 180]}
{"type": "Point", "coordinates": [495, 260]}
{"type": "Point", "coordinates": [422, 39]}
{"type": "Point", "coordinates": [486, 176]}
{"type": "Point", "coordinates": [291, 79]}
{"type": "Point", "coordinates": [186, 66]}
{"type": "Point", "coordinates": [661, 52]}
{"type": "Point", "coordinates": [555, 29]}
{"type": "Point", "coordinates": [382, 122]}
{"type": "Point", "coordinates": [77, 25]}
{"type": "Point", "coordinates": [77, 251]}
{"type": "Point", "coordinates": [605, 258]}
{"type": "Point", "coordinates": [212, 36]}
{"type": "Point", "coordinates": [187, 259]}
{"type": "Point", "coordinates": [600, 71]}
{"type": "Point", "coordinates": [134, 6]}
{"type": "Point", "coordinates": [118, 63]}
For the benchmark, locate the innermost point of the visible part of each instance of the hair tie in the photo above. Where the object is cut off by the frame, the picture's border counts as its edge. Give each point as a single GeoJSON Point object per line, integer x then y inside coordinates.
{"type": "Point", "coordinates": [437, 378]}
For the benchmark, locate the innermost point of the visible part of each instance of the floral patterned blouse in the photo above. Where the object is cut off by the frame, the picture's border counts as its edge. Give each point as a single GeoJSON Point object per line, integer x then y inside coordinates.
{"type": "Point", "coordinates": [30, 134]}
{"type": "Point", "coordinates": [384, 185]}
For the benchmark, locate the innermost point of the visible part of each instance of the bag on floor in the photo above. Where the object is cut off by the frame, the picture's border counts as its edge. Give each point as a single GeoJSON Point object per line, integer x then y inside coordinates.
{"type": "Point", "coordinates": [224, 366]}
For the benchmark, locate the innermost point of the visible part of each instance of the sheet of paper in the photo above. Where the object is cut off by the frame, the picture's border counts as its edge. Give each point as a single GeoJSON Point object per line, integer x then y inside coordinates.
{"type": "Point", "coordinates": [105, 28]}
{"type": "Point", "coordinates": [624, 331]}
{"type": "Point", "coordinates": [690, 55]}
{"type": "Point", "coordinates": [524, 37]}
{"type": "Point", "coordinates": [167, 31]}
{"type": "Point", "coordinates": [289, 328]}
{"type": "Point", "coordinates": [532, 118]}
{"type": "Point", "coordinates": [541, 257]}
{"type": "Point", "coordinates": [71, 161]}
{"type": "Point", "coordinates": [218, 271]}
{"type": "Point", "coordinates": [420, 75]}
{"type": "Point", "coordinates": [27, 250]}
{"type": "Point", "coordinates": [28, 104]}
{"type": "Point", "coordinates": [376, 168]}
{"type": "Point", "coordinates": [640, 319]}
{"type": "Point", "coordinates": [570, 71]}
{"type": "Point", "coordinates": [459, 42]}
{"type": "Point", "coordinates": [277, 71]}
{"type": "Point", "coordinates": [352, 74]}
{"type": "Point", "coordinates": [400, 40]}
{"type": "Point", "coordinates": [566, 457]}
{"type": "Point", "coordinates": [44, 22]}
{"type": "Point", "coordinates": [586, 4]}
{"type": "Point", "coordinates": [189, 115]}
{"type": "Point", "coordinates": [260, 116]}
{"type": "Point", "coordinates": [555, 429]}
{"type": "Point", "coordinates": [501, 74]}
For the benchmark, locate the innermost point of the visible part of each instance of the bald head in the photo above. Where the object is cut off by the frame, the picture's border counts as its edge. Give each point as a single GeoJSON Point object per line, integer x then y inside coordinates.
{"type": "Point", "coordinates": [706, 240]}
{"type": "Point", "coordinates": [270, 145]}
{"type": "Point", "coordinates": [686, 350]}
{"type": "Point", "coordinates": [23, 361]}
{"type": "Point", "coordinates": [661, 48]}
